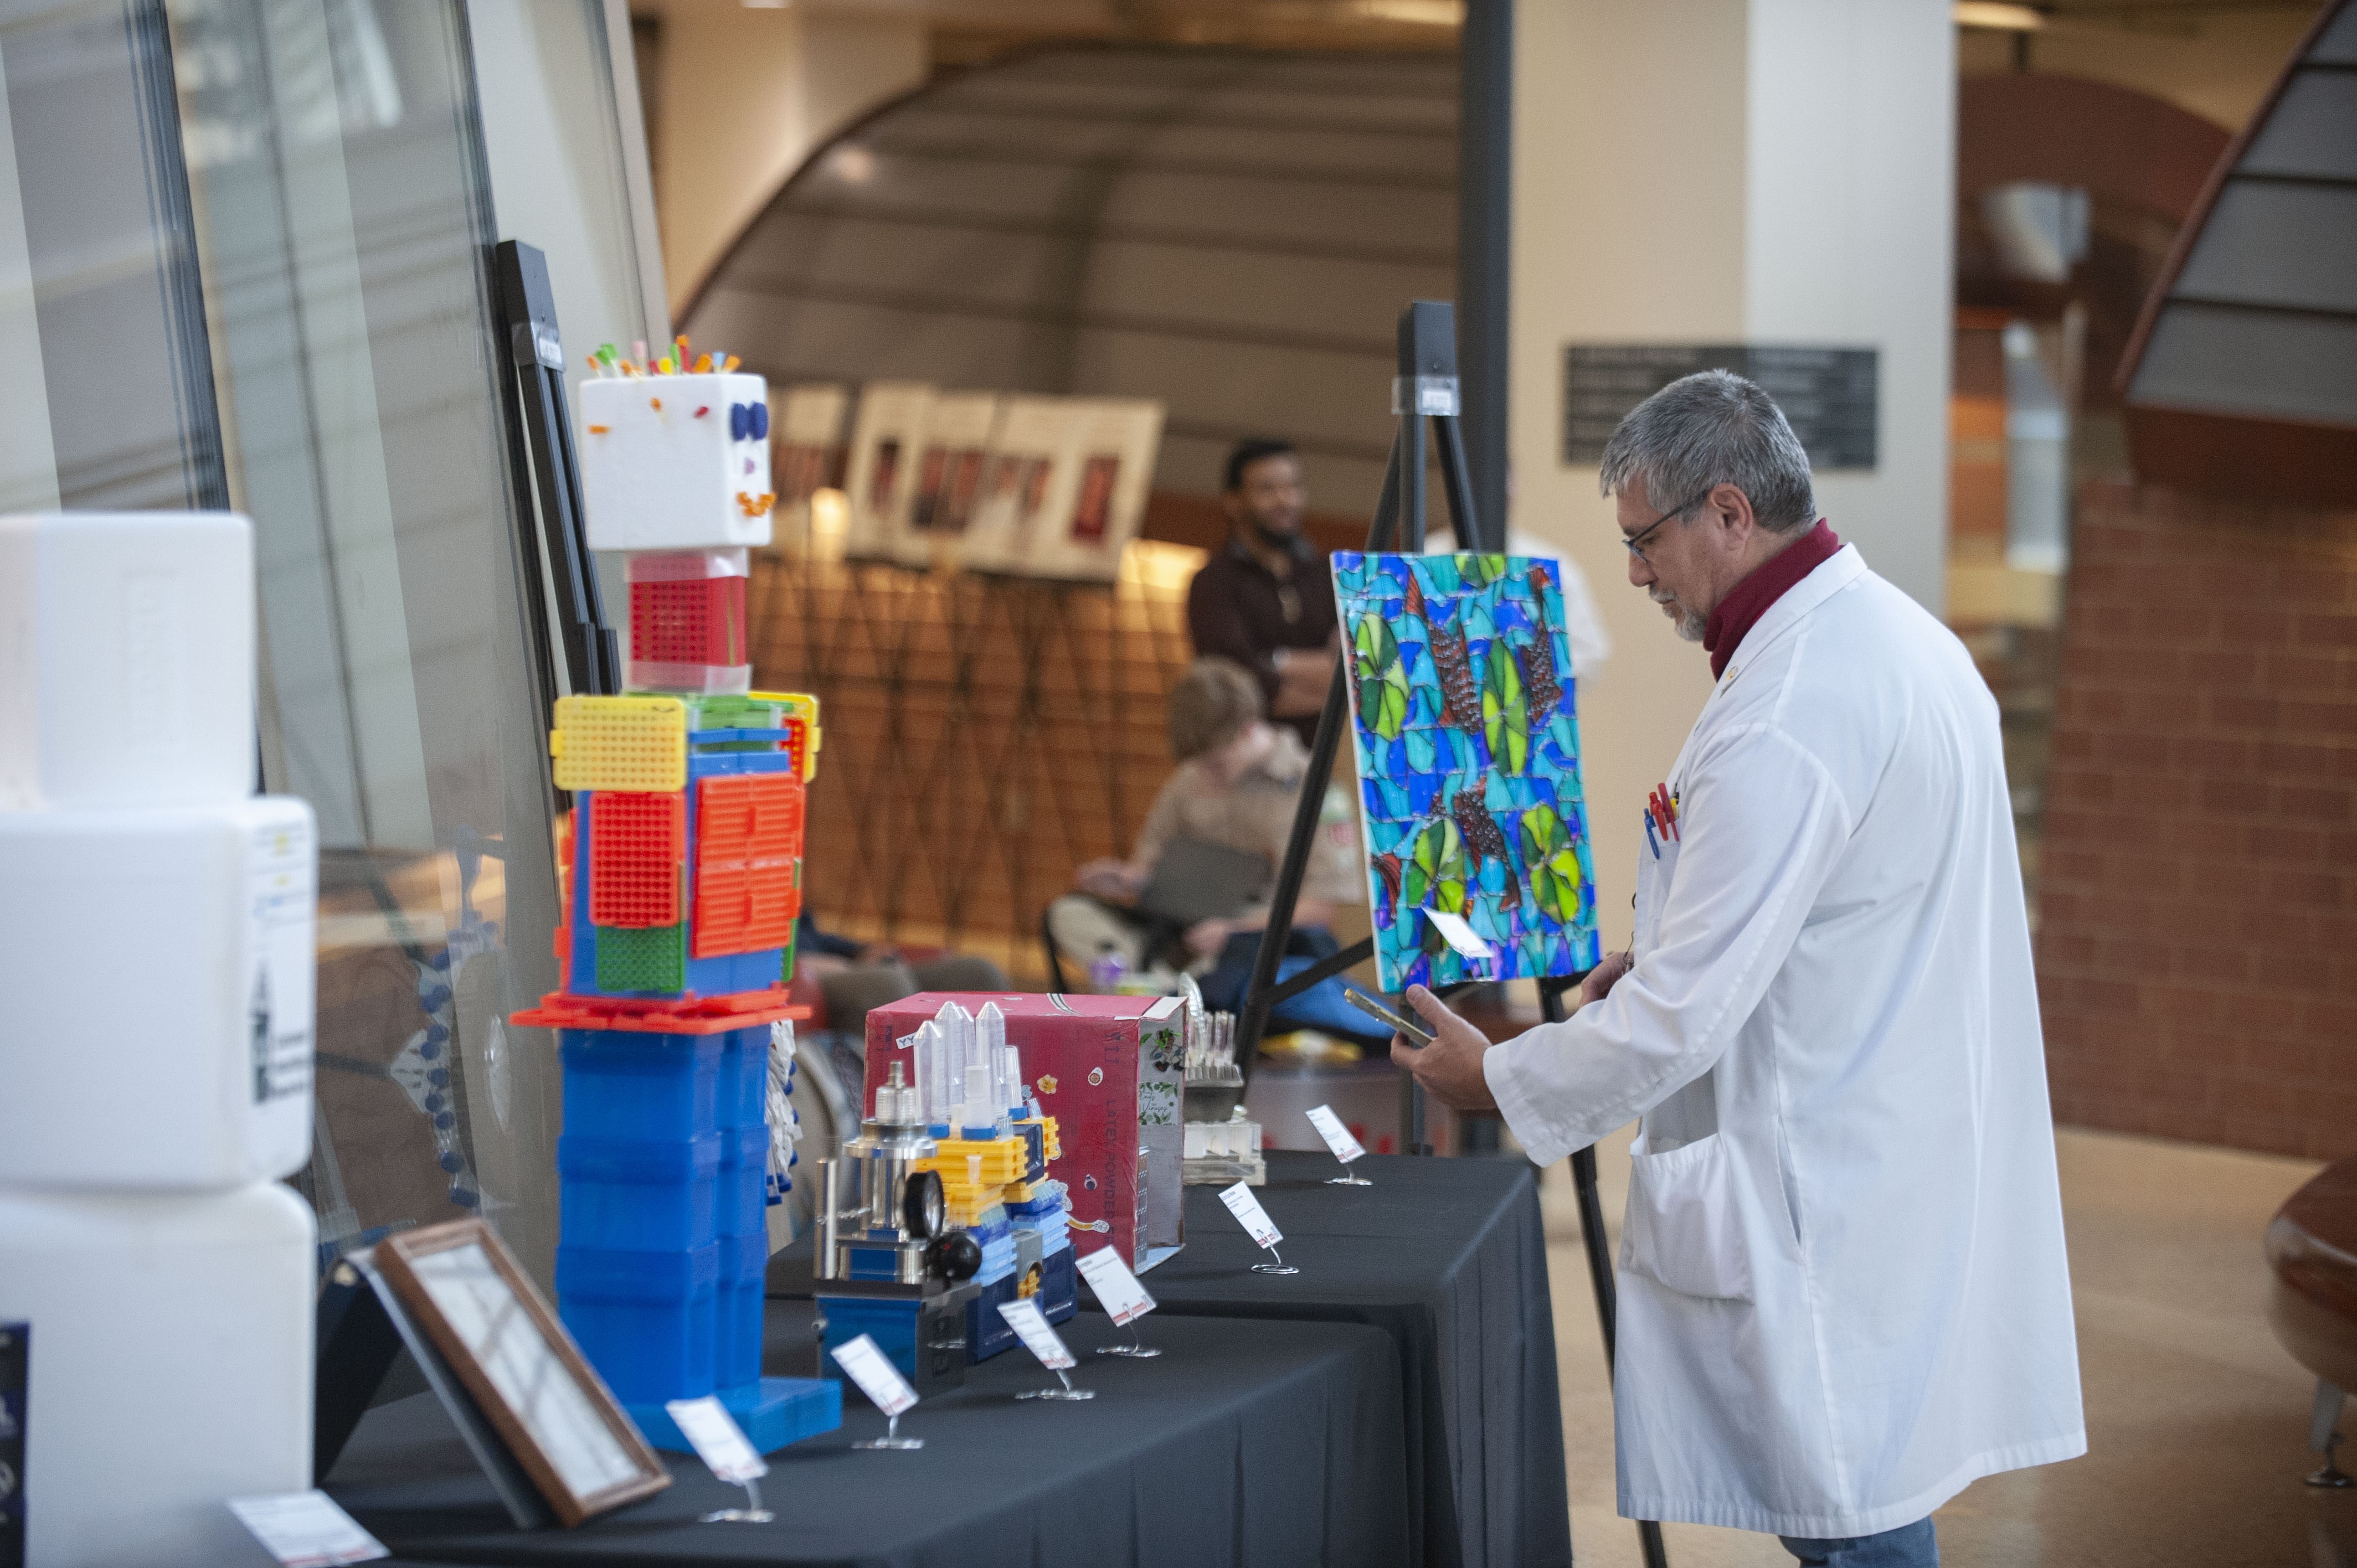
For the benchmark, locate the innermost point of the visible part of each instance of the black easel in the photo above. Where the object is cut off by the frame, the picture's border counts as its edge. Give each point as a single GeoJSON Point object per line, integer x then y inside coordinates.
{"type": "Point", "coordinates": [554, 554]}
{"type": "Point", "coordinates": [1425, 389]}
{"type": "Point", "coordinates": [1591, 1235]}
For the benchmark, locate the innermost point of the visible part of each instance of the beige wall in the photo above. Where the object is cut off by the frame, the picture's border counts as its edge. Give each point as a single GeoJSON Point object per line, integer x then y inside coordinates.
{"type": "Point", "coordinates": [1715, 170]}
{"type": "Point", "coordinates": [745, 95]}
{"type": "Point", "coordinates": [1850, 158]}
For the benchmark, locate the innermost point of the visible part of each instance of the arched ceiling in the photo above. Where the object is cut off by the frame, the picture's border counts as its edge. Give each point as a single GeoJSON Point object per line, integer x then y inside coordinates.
{"type": "Point", "coordinates": [1230, 232]}
{"type": "Point", "coordinates": [2243, 376]}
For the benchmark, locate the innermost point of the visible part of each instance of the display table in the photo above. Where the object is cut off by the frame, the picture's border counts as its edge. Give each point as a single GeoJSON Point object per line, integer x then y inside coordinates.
{"type": "Point", "coordinates": [1448, 1257]}
{"type": "Point", "coordinates": [1245, 1443]}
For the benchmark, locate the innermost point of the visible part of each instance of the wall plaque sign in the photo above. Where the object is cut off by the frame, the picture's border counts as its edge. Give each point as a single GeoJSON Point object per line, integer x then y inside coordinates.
{"type": "Point", "coordinates": [1828, 394]}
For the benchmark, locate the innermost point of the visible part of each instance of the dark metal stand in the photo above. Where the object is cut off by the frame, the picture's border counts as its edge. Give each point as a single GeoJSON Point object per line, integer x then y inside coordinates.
{"type": "Point", "coordinates": [555, 569]}
{"type": "Point", "coordinates": [1426, 390]}
{"type": "Point", "coordinates": [1591, 1237]}
{"type": "Point", "coordinates": [2323, 1438]}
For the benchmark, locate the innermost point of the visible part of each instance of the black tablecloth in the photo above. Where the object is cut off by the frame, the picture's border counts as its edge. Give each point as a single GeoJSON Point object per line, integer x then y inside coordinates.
{"type": "Point", "coordinates": [1448, 1256]}
{"type": "Point", "coordinates": [1245, 1443]}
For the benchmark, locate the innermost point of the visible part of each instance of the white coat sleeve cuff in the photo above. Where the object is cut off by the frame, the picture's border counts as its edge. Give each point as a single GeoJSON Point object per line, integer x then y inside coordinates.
{"type": "Point", "coordinates": [1501, 1068]}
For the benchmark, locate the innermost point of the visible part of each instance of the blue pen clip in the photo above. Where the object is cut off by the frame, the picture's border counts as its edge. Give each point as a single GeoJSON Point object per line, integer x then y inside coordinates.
{"type": "Point", "coordinates": [1651, 843]}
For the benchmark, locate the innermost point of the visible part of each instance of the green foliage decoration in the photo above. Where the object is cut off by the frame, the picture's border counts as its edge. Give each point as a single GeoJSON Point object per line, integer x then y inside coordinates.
{"type": "Point", "coordinates": [1382, 678]}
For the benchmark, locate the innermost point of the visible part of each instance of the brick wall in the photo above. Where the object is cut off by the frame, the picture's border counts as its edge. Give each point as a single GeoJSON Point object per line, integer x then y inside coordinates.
{"type": "Point", "coordinates": [2197, 893]}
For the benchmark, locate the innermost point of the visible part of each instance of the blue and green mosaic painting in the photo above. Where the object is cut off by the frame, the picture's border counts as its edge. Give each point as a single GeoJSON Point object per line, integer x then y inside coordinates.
{"type": "Point", "coordinates": [1469, 764]}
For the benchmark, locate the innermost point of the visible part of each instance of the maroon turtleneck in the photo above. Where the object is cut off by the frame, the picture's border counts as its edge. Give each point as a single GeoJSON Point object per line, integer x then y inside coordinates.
{"type": "Point", "coordinates": [1748, 599]}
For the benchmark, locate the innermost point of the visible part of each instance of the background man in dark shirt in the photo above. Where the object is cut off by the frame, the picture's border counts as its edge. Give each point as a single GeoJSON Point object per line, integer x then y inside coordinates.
{"type": "Point", "coordinates": [1266, 600]}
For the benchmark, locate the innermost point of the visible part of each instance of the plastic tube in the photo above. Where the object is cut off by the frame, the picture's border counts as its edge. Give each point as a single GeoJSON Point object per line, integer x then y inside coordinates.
{"type": "Point", "coordinates": [955, 1026]}
{"type": "Point", "coordinates": [933, 1052]}
{"type": "Point", "coordinates": [1010, 1075]}
{"type": "Point", "coordinates": [990, 1039]}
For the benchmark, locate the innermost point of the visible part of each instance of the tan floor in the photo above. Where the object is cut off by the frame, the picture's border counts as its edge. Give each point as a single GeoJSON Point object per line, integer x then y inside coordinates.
{"type": "Point", "coordinates": [2197, 1422]}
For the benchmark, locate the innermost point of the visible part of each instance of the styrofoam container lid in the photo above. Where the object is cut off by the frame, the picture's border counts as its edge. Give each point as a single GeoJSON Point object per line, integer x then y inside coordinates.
{"type": "Point", "coordinates": [126, 660]}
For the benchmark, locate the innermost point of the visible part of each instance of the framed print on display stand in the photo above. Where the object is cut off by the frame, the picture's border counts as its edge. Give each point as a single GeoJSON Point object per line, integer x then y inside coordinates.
{"type": "Point", "coordinates": [806, 449]}
{"type": "Point", "coordinates": [1026, 489]}
{"type": "Point", "coordinates": [550, 1409]}
{"type": "Point", "coordinates": [1111, 443]}
{"type": "Point", "coordinates": [959, 430]}
{"type": "Point", "coordinates": [885, 438]}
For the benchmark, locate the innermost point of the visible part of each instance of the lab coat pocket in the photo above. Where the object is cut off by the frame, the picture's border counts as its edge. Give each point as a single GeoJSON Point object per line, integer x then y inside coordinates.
{"type": "Point", "coordinates": [1684, 1225]}
{"type": "Point", "coordinates": [1652, 891]}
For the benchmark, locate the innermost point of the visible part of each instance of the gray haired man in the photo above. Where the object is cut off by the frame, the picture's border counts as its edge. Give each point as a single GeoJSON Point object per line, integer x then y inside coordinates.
{"type": "Point", "coordinates": [1843, 1296]}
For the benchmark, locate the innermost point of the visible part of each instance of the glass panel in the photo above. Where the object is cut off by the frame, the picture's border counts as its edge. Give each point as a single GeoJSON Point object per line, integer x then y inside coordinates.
{"type": "Point", "coordinates": [98, 285]}
{"type": "Point", "coordinates": [343, 222]}
{"type": "Point", "coordinates": [562, 148]}
{"type": "Point", "coordinates": [554, 138]}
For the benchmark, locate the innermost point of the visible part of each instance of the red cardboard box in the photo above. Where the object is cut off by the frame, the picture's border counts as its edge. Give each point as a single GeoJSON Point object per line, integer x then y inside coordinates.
{"type": "Point", "coordinates": [1112, 1072]}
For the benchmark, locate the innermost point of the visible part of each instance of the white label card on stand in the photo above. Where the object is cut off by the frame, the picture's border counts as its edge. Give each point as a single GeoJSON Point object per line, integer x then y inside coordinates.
{"type": "Point", "coordinates": [1338, 1137]}
{"type": "Point", "coordinates": [1037, 1338]}
{"type": "Point", "coordinates": [1251, 1215]}
{"type": "Point", "coordinates": [305, 1530]}
{"type": "Point", "coordinates": [877, 1378]}
{"type": "Point", "coordinates": [1118, 1290]}
{"type": "Point", "coordinates": [719, 1441]}
{"type": "Point", "coordinates": [1460, 936]}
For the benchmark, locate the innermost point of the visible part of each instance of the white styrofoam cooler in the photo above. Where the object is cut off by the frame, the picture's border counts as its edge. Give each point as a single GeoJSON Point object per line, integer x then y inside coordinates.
{"type": "Point", "coordinates": [126, 659]}
{"type": "Point", "coordinates": [155, 1030]}
{"type": "Point", "coordinates": [657, 474]}
{"type": "Point", "coordinates": [171, 1367]}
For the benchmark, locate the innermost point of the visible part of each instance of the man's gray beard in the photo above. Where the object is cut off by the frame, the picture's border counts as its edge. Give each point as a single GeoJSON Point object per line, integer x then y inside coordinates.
{"type": "Point", "coordinates": [1690, 625]}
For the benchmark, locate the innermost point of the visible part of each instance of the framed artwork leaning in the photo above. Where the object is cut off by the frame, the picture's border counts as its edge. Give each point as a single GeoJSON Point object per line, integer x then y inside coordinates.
{"type": "Point", "coordinates": [1468, 750]}
{"type": "Point", "coordinates": [554, 1414]}
{"type": "Point", "coordinates": [886, 437]}
{"type": "Point", "coordinates": [806, 449]}
{"type": "Point", "coordinates": [959, 430]}
{"type": "Point", "coordinates": [1026, 492]}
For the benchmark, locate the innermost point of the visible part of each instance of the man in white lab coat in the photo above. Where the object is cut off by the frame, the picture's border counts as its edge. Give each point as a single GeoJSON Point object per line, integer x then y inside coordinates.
{"type": "Point", "coordinates": [1843, 1296]}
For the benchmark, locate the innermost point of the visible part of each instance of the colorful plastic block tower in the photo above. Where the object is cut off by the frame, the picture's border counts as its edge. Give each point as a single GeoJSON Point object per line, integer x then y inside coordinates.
{"type": "Point", "coordinates": [680, 877]}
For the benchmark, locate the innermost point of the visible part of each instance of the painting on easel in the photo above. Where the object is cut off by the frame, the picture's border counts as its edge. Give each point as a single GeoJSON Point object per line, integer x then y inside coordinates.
{"type": "Point", "coordinates": [1476, 829]}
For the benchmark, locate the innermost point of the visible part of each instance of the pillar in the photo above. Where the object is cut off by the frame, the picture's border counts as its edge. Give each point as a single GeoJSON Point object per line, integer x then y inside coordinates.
{"type": "Point", "coordinates": [1727, 171]}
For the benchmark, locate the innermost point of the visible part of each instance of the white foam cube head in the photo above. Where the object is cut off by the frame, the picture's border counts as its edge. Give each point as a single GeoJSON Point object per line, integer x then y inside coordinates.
{"type": "Point", "coordinates": [171, 1367]}
{"type": "Point", "coordinates": [157, 1030]}
{"type": "Point", "coordinates": [675, 462]}
{"type": "Point", "coordinates": [126, 659]}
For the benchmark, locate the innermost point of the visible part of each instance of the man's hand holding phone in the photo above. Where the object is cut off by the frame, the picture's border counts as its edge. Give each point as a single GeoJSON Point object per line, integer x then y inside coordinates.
{"type": "Point", "coordinates": [1450, 1067]}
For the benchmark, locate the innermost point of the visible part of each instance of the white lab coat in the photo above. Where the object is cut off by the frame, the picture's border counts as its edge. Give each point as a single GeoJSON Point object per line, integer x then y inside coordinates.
{"type": "Point", "coordinates": [1843, 1296]}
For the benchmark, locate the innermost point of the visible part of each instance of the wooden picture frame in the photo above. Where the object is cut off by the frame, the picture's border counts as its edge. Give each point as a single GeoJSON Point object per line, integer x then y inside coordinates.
{"type": "Point", "coordinates": [887, 440]}
{"type": "Point", "coordinates": [461, 1285]}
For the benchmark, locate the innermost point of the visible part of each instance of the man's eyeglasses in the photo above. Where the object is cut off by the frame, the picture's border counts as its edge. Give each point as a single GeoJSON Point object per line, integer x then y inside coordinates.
{"type": "Point", "coordinates": [1635, 541]}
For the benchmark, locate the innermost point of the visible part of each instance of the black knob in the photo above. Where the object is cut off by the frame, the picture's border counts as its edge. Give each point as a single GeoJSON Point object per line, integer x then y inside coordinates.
{"type": "Point", "coordinates": [956, 1257]}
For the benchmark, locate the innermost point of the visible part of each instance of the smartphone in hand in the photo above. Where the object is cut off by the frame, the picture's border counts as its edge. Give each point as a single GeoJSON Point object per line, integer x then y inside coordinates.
{"type": "Point", "coordinates": [1415, 1032]}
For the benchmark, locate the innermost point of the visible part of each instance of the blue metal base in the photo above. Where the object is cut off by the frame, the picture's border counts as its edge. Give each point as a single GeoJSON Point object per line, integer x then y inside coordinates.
{"type": "Point", "coordinates": [773, 1413]}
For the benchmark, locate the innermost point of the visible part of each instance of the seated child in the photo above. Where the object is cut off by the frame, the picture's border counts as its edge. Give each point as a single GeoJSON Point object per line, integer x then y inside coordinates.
{"type": "Point", "coordinates": [1237, 786]}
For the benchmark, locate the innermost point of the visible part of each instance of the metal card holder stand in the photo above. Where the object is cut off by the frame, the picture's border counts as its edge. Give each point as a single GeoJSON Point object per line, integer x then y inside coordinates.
{"type": "Point", "coordinates": [1426, 390]}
